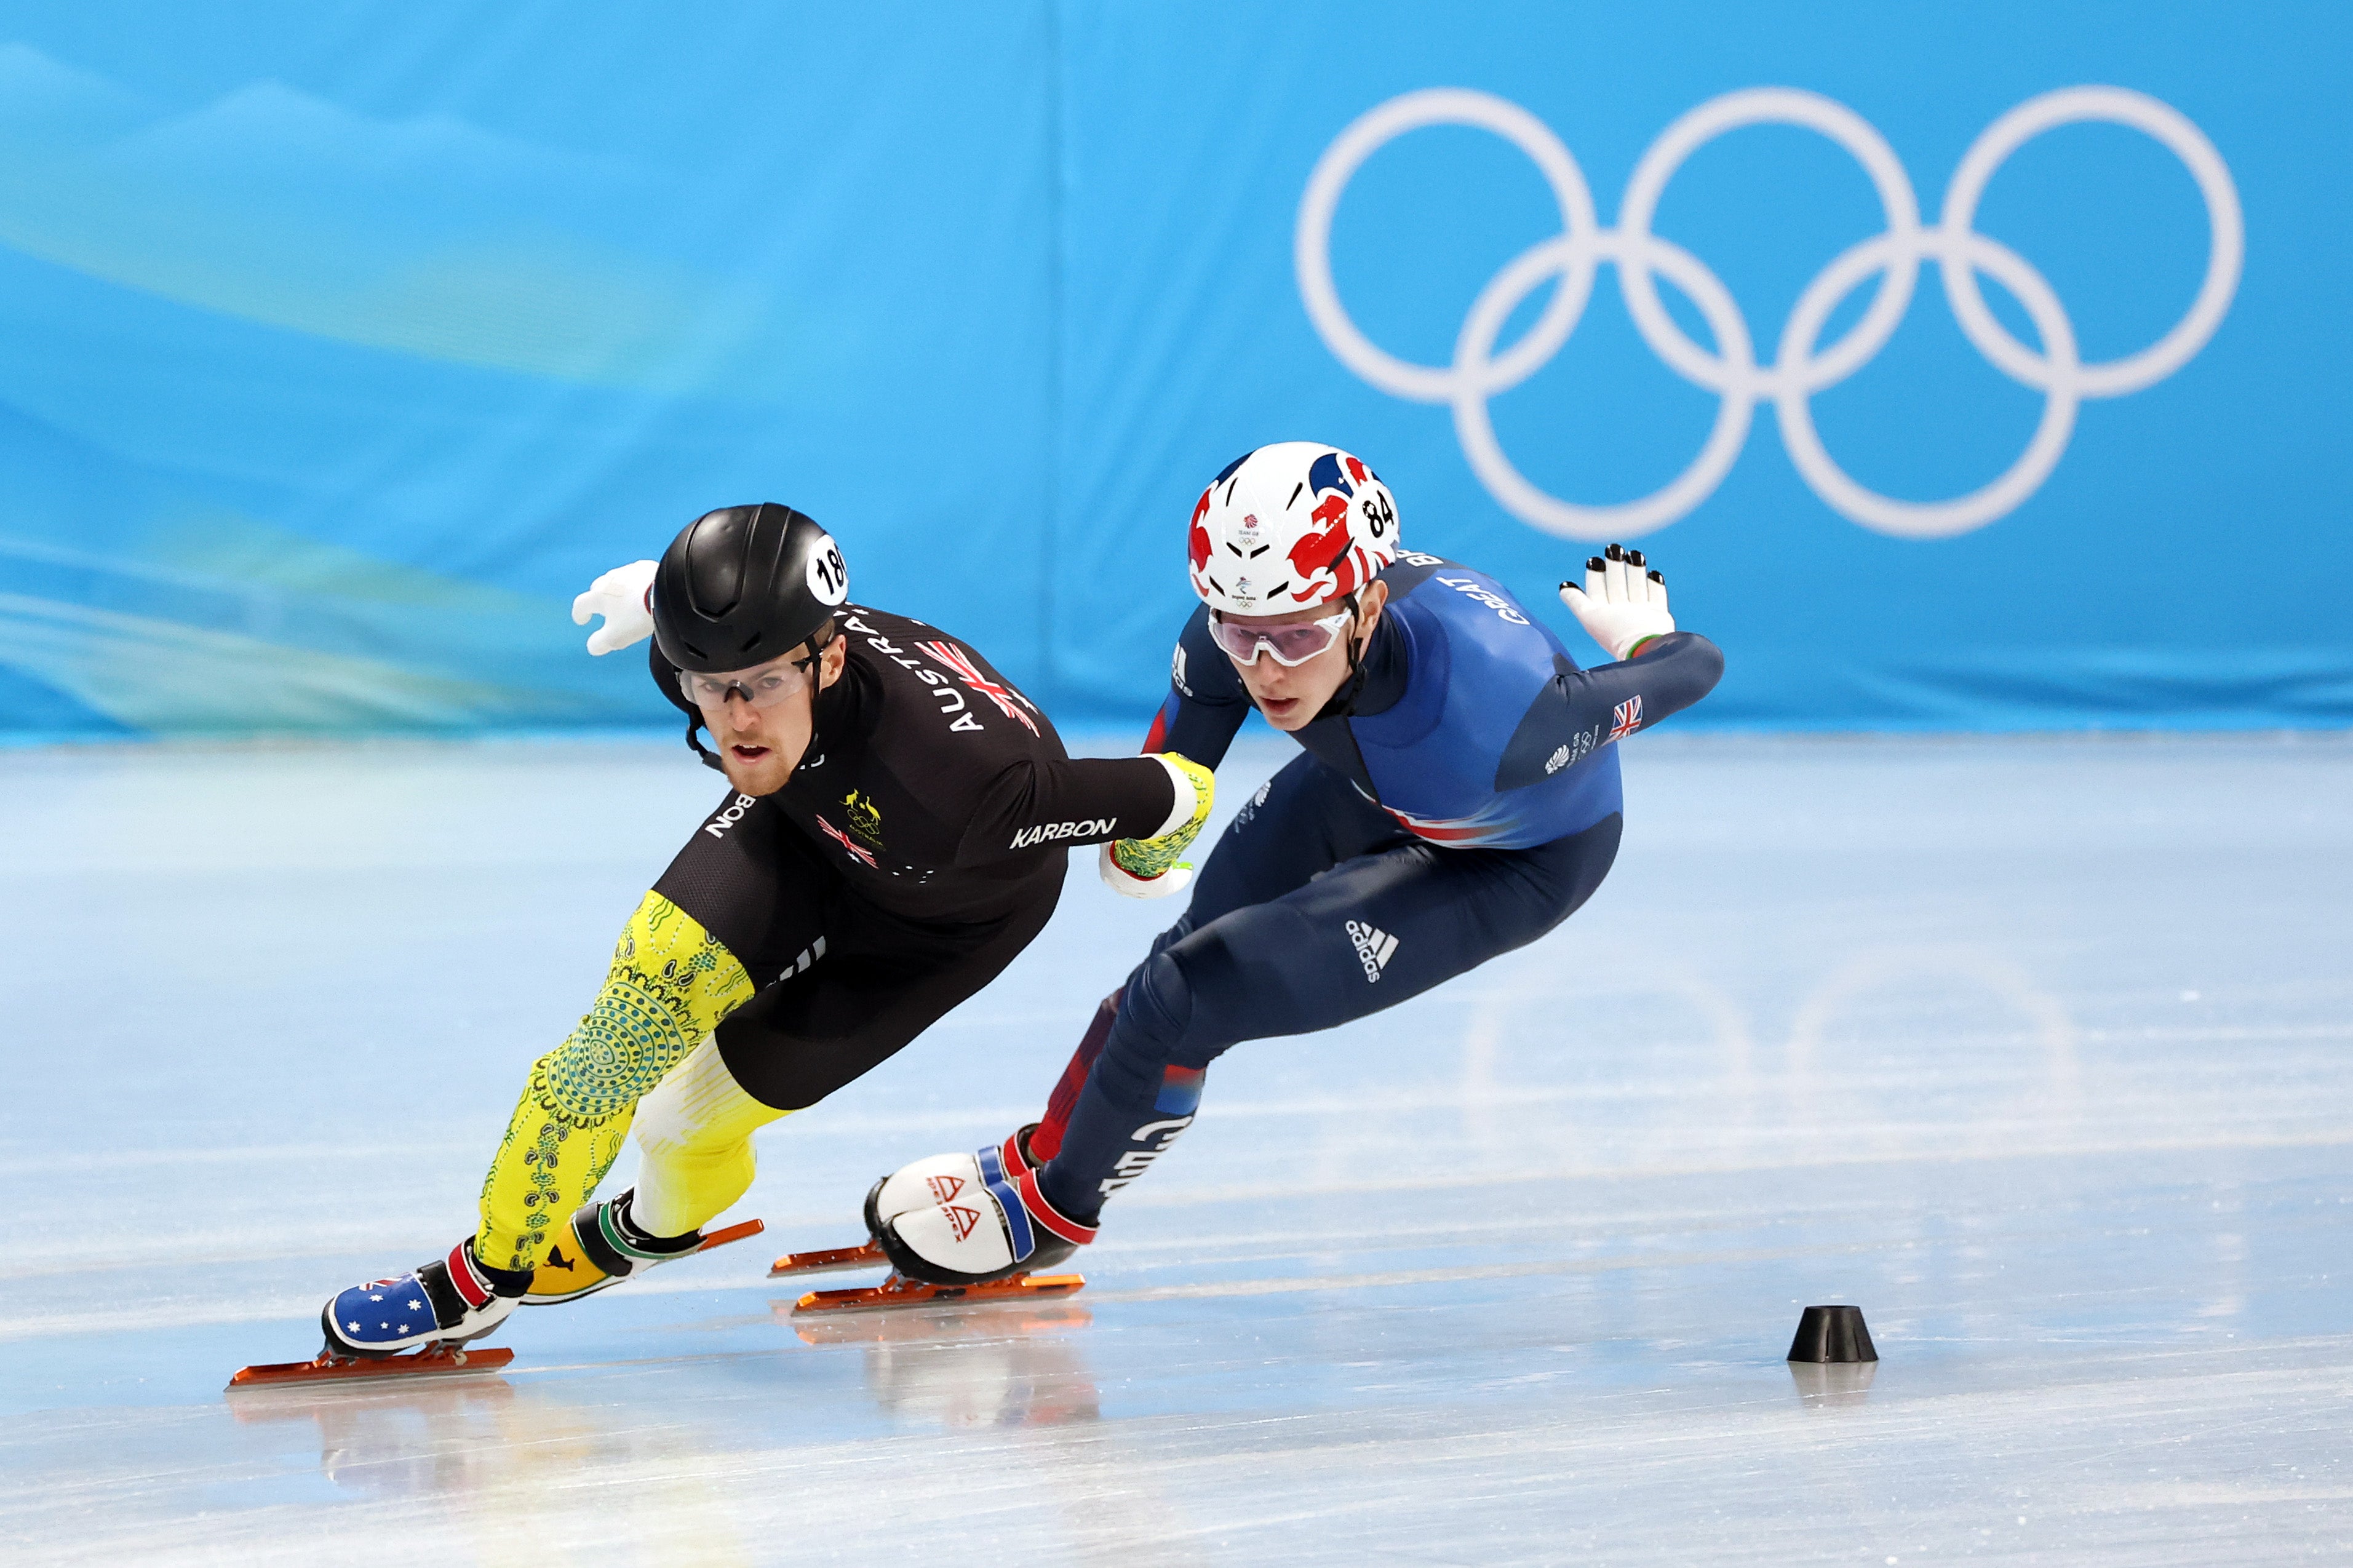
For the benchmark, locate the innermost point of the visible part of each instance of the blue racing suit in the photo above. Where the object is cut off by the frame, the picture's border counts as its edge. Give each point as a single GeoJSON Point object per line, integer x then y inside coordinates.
{"type": "Point", "coordinates": [1464, 802]}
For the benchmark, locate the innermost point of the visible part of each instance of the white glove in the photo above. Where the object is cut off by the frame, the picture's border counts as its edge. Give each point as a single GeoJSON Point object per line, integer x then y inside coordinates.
{"type": "Point", "coordinates": [1621, 603]}
{"type": "Point", "coordinates": [1116, 877]}
{"type": "Point", "coordinates": [619, 595]}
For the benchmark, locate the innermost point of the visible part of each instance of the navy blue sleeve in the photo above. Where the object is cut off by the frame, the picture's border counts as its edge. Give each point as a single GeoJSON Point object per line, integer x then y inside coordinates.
{"type": "Point", "coordinates": [1581, 710]}
{"type": "Point", "coordinates": [1207, 700]}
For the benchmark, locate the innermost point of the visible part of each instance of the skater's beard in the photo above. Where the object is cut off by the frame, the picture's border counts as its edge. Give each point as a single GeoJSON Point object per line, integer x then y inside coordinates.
{"type": "Point", "coordinates": [759, 747]}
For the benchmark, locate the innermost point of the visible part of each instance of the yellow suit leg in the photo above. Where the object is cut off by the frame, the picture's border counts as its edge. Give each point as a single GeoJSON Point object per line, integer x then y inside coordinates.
{"type": "Point", "coordinates": [694, 1145]}
{"type": "Point", "coordinates": [670, 984]}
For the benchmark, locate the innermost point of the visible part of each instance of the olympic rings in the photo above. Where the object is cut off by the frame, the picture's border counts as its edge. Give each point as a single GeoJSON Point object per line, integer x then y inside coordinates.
{"type": "Point", "coordinates": [1801, 367]}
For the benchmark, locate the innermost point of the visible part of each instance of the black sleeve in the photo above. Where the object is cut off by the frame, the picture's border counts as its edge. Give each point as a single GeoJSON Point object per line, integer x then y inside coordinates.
{"type": "Point", "coordinates": [1207, 700]}
{"type": "Point", "coordinates": [1581, 710]}
{"type": "Point", "coordinates": [1038, 803]}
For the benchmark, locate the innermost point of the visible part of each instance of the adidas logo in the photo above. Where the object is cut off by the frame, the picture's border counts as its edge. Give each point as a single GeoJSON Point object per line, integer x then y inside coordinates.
{"type": "Point", "coordinates": [1374, 947]}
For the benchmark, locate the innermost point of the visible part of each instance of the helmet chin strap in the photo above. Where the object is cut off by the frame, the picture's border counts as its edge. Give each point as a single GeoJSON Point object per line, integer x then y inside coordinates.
{"type": "Point", "coordinates": [694, 738]}
{"type": "Point", "coordinates": [817, 680]}
{"type": "Point", "coordinates": [1344, 700]}
{"type": "Point", "coordinates": [711, 759]}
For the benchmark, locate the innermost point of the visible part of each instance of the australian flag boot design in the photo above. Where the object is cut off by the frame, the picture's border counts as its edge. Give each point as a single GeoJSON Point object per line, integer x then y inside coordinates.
{"type": "Point", "coordinates": [449, 1299]}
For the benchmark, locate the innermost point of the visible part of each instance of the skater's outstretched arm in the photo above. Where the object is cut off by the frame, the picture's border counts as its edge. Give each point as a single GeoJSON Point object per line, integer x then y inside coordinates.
{"type": "Point", "coordinates": [1657, 672]}
{"type": "Point", "coordinates": [1063, 801]}
{"type": "Point", "coordinates": [670, 984]}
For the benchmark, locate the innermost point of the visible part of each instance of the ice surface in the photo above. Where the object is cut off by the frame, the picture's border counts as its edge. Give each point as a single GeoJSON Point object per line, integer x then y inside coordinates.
{"type": "Point", "coordinates": [2040, 1051]}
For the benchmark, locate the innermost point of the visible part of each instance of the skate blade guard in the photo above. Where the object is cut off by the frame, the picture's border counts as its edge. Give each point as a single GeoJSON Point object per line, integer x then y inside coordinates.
{"type": "Point", "coordinates": [441, 1360]}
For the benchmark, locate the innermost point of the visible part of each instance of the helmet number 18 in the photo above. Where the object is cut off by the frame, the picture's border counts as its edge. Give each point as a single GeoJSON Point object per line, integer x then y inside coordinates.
{"type": "Point", "coordinates": [828, 576]}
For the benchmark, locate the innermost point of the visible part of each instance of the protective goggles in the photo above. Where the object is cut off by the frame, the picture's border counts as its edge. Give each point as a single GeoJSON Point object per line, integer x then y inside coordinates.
{"type": "Point", "coordinates": [1291, 646]}
{"type": "Point", "coordinates": [764, 686]}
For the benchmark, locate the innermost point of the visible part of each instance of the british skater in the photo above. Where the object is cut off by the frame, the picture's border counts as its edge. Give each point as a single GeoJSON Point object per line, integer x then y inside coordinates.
{"type": "Point", "coordinates": [892, 837]}
{"type": "Point", "coordinates": [1457, 796]}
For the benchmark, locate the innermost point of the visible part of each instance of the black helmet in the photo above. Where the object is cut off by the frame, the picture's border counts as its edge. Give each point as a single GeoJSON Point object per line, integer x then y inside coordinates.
{"type": "Point", "coordinates": [735, 588]}
{"type": "Point", "coordinates": [739, 585]}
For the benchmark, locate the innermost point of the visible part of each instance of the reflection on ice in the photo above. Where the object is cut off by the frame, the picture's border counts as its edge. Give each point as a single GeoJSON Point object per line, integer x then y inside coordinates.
{"type": "Point", "coordinates": [1825, 1385]}
{"type": "Point", "coordinates": [397, 1440]}
{"type": "Point", "coordinates": [499, 1459]}
{"type": "Point", "coordinates": [2037, 1051]}
{"type": "Point", "coordinates": [1003, 1364]}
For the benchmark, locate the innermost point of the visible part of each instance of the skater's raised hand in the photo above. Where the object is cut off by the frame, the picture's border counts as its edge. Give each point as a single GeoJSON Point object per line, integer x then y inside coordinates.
{"type": "Point", "coordinates": [1623, 604]}
{"type": "Point", "coordinates": [619, 595]}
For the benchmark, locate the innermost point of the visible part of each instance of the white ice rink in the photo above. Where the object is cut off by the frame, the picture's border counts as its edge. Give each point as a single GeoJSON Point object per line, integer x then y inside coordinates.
{"type": "Point", "coordinates": [2038, 1050]}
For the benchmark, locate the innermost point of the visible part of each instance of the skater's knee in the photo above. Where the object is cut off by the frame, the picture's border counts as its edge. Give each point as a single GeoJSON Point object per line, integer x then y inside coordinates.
{"type": "Point", "coordinates": [670, 984]}
{"type": "Point", "coordinates": [1574, 869]}
{"type": "Point", "coordinates": [694, 1139]}
{"type": "Point", "coordinates": [605, 1066]}
{"type": "Point", "coordinates": [1153, 1008]}
{"type": "Point", "coordinates": [1166, 1010]}
{"type": "Point", "coordinates": [699, 1109]}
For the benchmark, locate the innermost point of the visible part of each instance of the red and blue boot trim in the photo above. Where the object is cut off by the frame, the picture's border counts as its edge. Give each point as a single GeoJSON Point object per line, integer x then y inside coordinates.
{"type": "Point", "coordinates": [449, 1299]}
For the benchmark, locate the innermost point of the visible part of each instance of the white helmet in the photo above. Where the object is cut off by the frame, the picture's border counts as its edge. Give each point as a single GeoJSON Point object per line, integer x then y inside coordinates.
{"type": "Point", "coordinates": [1287, 526]}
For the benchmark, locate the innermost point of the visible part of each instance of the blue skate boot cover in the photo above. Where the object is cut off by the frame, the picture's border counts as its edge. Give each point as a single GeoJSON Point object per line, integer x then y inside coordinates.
{"type": "Point", "coordinates": [450, 1298]}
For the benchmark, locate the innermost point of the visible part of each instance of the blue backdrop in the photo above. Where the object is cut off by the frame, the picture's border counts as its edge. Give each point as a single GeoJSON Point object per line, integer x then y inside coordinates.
{"type": "Point", "coordinates": [340, 345]}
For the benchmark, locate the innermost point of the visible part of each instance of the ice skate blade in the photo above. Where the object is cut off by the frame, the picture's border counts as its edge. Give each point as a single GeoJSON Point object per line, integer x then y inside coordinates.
{"type": "Point", "coordinates": [896, 1292]}
{"type": "Point", "coordinates": [726, 1234]}
{"type": "Point", "coordinates": [945, 1322]}
{"type": "Point", "coordinates": [720, 1238]}
{"type": "Point", "coordinates": [433, 1360]}
{"type": "Point", "coordinates": [867, 1255]}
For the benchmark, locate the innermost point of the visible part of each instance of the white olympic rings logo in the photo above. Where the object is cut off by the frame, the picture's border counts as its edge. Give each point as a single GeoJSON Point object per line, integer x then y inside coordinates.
{"type": "Point", "coordinates": [1799, 369]}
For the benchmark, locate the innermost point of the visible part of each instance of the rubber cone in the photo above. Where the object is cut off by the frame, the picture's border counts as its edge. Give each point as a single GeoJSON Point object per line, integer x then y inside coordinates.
{"type": "Point", "coordinates": [1832, 1334]}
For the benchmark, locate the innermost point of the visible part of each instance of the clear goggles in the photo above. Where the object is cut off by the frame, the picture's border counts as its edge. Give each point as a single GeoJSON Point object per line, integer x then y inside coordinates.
{"type": "Point", "coordinates": [1291, 646]}
{"type": "Point", "coordinates": [763, 685]}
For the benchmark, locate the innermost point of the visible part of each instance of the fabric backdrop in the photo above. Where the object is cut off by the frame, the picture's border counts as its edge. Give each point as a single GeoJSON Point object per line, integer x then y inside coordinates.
{"type": "Point", "coordinates": [341, 344]}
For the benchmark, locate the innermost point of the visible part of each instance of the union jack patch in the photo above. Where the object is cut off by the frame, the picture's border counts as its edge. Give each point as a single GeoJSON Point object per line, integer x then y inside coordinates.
{"type": "Point", "coordinates": [1626, 717]}
{"type": "Point", "coordinates": [858, 852]}
{"type": "Point", "coordinates": [1004, 696]}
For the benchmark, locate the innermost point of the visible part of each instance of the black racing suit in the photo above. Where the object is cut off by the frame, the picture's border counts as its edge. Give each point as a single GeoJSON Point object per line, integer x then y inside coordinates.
{"type": "Point", "coordinates": [914, 852]}
{"type": "Point", "coordinates": [810, 933]}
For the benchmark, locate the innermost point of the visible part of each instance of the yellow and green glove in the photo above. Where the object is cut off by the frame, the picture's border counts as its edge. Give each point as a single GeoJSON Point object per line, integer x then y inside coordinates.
{"type": "Point", "coordinates": [1148, 868]}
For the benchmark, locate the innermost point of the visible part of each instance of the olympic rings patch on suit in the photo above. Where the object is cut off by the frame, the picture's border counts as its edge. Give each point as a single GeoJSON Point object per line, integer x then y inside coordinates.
{"type": "Point", "coordinates": [1801, 366]}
